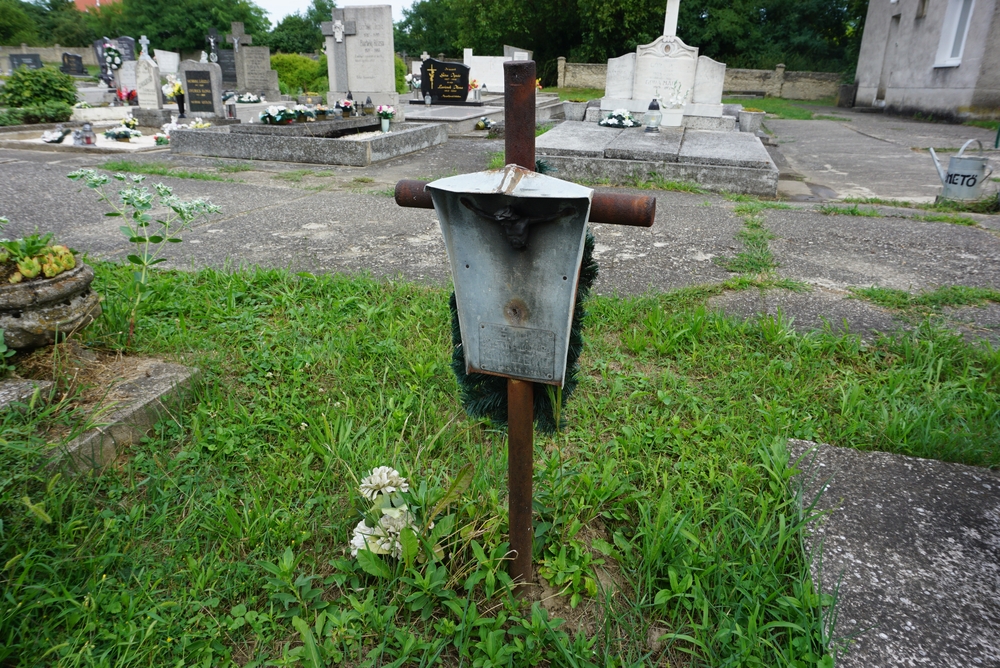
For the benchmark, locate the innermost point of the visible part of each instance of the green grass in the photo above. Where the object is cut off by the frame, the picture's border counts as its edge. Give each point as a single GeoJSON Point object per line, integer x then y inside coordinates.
{"type": "Point", "coordinates": [947, 218]}
{"type": "Point", "coordinates": [928, 302]}
{"type": "Point", "coordinates": [756, 258]}
{"type": "Point", "coordinates": [988, 204]}
{"type": "Point", "coordinates": [160, 169]}
{"type": "Point", "coordinates": [989, 125]}
{"type": "Point", "coordinates": [543, 128]}
{"type": "Point", "coordinates": [496, 160]}
{"type": "Point", "coordinates": [219, 539]}
{"type": "Point", "coordinates": [775, 107]}
{"type": "Point", "coordinates": [855, 210]}
{"type": "Point", "coordinates": [233, 167]}
{"type": "Point", "coordinates": [584, 94]}
{"type": "Point", "coordinates": [294, 175]}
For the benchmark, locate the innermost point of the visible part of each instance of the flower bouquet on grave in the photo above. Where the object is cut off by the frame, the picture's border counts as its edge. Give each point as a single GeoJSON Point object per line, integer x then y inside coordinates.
{"type": "Point", "coordinates": [121, 133]}
{"type": "Point", "coordinates": [277, 115]}
{"type": "Point", "coordinates": [321, 111]}
{"type": "Point", "coordinates": [485, 124]}
{"type": "Point", "coordinates": [619, 118]}
{"type": "Point", "coordinates": [248, 98]}
{"type": "Point", "coordinates": [199, 124]}
{"type": "Point", "coordinates": [385, 112]}
{"type": "Point", "coordinates": [304, 114]}
{"type": "Point", "coordinates": [172, 89]}
{"type": "Point", "coordinates": [538, 84]}
{"type": "Point", "coordinates": [112, 56]}
{"type": "Point", "coordinates": [346, 106]}
{"type": "Point", "coordinates": [130, 122]}
{"type": "Point", "coordinates": [127, 96]}
{"type": "Point", "coordinates": [161, 139]}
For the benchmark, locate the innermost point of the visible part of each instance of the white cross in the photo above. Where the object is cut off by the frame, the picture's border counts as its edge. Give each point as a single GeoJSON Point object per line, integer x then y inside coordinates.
{"type": "Point", "coordinates": [144, 48]}
{"type": "Point", "coordinates": [670, 19]}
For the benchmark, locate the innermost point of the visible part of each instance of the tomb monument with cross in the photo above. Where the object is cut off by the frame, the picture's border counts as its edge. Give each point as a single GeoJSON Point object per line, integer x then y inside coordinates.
{"type": "Point", "coordinates": [361, 55]}
{"type": "Point", "coordinates": [669, 71]}
{"type": "Point", "coordinates": [253, 66]}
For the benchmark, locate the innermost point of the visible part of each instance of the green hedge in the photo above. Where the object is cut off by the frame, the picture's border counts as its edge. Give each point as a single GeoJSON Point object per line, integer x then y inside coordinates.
{"type": "Point", "coordinates": [27, 87]}
{"type": "Point", "coordinates": [48, 112]}
{"type": "Point", "coordinates": [295, 72]}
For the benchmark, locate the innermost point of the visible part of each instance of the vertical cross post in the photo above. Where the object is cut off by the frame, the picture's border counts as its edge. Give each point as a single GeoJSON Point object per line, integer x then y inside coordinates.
{"type": "Point", "coordinates": [519, 147]}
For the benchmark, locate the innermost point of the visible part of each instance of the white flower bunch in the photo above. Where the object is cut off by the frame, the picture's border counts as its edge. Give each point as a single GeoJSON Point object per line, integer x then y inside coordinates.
{"type": "Point", "coordinates": [676, 98]}
{"type": "Point", "coordinates": [619, 118]}
{"type": "Point", "coordinates": [383, 480]}
{"type": "Point", "coordinates": [248, 98]}
{"type": "Point", "coordinates": [379, 486]}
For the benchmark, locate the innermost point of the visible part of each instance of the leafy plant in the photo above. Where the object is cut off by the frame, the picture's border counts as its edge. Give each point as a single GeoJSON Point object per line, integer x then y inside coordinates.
{"type": "Point", "coordinates": [26, 87]}
{"type": "Point", "coordinates": [133, 205]}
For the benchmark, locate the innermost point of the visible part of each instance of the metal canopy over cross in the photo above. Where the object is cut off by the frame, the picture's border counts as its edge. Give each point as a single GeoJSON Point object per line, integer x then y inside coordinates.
{"type": "Point", "coordinates": [144, 48]}
{"type": "Point", "coordinates": [337, 29]}
{"type": "Point", "coordinates": [238, 36]}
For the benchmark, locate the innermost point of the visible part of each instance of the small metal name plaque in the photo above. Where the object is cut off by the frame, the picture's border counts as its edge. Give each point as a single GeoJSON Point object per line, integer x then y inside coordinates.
{"type": "Point", "coordinates": [517, 351]}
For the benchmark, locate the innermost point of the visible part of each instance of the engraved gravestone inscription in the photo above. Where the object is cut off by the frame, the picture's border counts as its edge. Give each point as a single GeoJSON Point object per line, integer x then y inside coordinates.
{"type": "Point", "coordinates": [444, 82]}
{"type": "Point", "coordinates": [201, 97]}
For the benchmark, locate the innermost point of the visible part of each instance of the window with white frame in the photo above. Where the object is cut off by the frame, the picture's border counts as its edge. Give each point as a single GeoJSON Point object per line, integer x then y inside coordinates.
{"type": "Point", "coordinates": [953, 33]}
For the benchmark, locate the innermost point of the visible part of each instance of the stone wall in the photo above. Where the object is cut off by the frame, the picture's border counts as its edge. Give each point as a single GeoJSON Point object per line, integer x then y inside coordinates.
{"type": "Point", "coordinates": [48, 54]}
{"type": "Point", "coordinates": [772, 83]}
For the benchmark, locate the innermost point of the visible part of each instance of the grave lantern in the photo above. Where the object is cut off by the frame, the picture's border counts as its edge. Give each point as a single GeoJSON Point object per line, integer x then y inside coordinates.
{"type": "Point", "coordinates": [653, 117]}
{"type": "Point", "coordinates": [369, 106]}
{"type": "Point", "coordinates": [88, 135]}
{"type": "Point", "coordinates": [231, 107]}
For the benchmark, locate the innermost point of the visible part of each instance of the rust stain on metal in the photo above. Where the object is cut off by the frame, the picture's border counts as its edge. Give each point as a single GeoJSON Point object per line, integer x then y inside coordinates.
{"type": "Point", "coordinates": [412, 193]}
{"type": "Point", "coordinates": [519, 113]}
{"type": "Point", "coordinates": [511, 180]}
{"type": "Point", "coordinates": [516, 312]}
{"type": "Point", "coordinates": [621, 209]}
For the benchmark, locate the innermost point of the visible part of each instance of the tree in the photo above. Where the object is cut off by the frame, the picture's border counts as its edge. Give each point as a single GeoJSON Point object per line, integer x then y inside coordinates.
{"type": "Point", "coordinates": [179, 25]}
{"type": "Point", "coordinates": [429, 25]}
{"type": "Point", "coordinates": [16, 24]}
{"type": "Point", "coordinates": [295, 35]}
{"type": "Point", "coordinates": [60, 22]}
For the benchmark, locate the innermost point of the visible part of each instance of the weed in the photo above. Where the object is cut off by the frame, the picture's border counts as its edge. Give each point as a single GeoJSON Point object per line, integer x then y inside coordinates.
{"type": "Point", "coordinates": [543, 128]}
{"type": "Point", "coordinates": [293, 175]}
{"type": "Point", "coordinates": [496, 160]}
{"type": "Point", "coordinates": [928, 302]}
{"type": "Point", "coordinates": [363, 179]}
{"type": "Point", "coordinates": [947, 218]}
{"type": "Point", "coordinates": [989, 125]}
{"type": "Point", "coordinates": [159, 169]}
{"type": "Point", "coordinates": [233, 167]}
{"type": "Point", "coordinates": [855, 210]}
{"type": "Point", "coordinates": [654, 181]}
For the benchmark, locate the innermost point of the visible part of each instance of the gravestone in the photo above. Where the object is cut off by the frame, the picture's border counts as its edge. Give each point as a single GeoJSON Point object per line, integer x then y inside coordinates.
{"type": "Point", "coordinates": [444, 82]}
{"type": "Point", "coordinates": [670, 71]}
{"type": "Point", "coordinates": [126, 74]}
{"type": "Point", "coordinates": [254, 73]}
{"type": "Point", "coordinates": [127, 46]}
{"type": "Point", "coordinates": [203, 87]}
{"type": "Point", "coordinates": [147, 84]}
{"type": "Point", "coordinates": [73, 64]}
{"type": "Point", "coordinates": [106, 74]}
{"type": "Point", "coordinates": [212, 39]}
{"type": "Point", "coordinates": [32, 61]}
{"type": "Point", "coordinates": [167, 61]}
{"type": "Point", "coordinates": [361, 54]}
{"type": "Point", "coordinates": [227, 61]}
{"type": "Point", "coordinates": [514, 53]}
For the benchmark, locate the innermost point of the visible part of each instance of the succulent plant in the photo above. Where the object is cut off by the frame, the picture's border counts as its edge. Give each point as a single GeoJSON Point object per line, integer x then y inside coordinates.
{"type": "Point", "coordinates": [29, 267]}
{"type": "Point", "coordinates": [15, 277]}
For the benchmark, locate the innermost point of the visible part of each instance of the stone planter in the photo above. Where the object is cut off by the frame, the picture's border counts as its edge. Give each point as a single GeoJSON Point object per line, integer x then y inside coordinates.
{"type": "Point", "coordinates": [750, 121]}
{"type": "Point", "coordinates": [575, 111]}
{"type": "Point", "coordinates": [36, 313]}
{"type": "Point", "coordinates": [672, 118]}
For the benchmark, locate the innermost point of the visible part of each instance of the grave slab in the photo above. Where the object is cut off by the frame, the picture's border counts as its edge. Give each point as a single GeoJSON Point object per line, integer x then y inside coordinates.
{"type": "Point", "coordinates": [730, 149]}
{"type": "Point", "coordinates": [639, 145]}
{"type": "Point", "coordinates": [911, 548]}
{"type": "Point", "coordinates": [577, 139]}
{"type": "Point", "coordinates": [457, 119]}
{"type": "Point", "coordinates": [314, 129]}
{"type": "Point", "coordinates": [19, 391]}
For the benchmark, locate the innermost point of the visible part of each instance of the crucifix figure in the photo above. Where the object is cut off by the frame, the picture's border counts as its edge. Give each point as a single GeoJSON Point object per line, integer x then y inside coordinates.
{"type": "Point", "coordinates": [144, 48]}
{"type": "Point", "coordinates": [213, 44]}
{"type": "Point", "coordinates": [336, 49]}
{"type": "Point", "coordinates": [670, 18]}
{"type": "Point", "coordinates": [515, 223]}
{"type": "Point", "coordinates": [238, 36]}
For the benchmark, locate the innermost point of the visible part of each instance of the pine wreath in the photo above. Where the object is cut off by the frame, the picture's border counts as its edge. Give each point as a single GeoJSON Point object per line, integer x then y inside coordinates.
{"type": "Point", "coordinates": [484, 395]}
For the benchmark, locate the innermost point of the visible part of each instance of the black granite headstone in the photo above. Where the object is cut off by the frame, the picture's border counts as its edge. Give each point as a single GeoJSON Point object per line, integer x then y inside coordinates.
{"type": "Point", "coordinates": [73, 64]}
{"type": "Point", "coordinates": [32, 61]}
{"type": "Point", "coordinates": [444, 82]}
{"type": "Point", "coordinates": [227, 61]}
{"type": "Point", "coordinates": [199, 91]}
{"type": "Point", "coordinates": [127, 46]}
